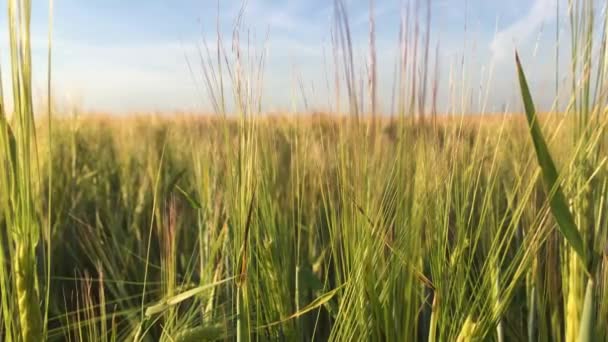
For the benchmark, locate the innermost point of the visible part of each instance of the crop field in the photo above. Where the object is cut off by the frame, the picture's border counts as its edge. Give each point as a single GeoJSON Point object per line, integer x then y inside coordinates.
{"type": "Point", "coordinates": [337, 226]}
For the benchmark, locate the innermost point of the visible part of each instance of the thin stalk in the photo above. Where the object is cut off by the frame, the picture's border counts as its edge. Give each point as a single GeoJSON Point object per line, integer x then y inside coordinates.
{"type": "Point", "coordinates": [48, 233]}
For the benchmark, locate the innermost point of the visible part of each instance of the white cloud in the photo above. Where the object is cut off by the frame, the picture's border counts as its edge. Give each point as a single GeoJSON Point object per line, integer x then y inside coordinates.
{"type": "Point", "coordinates": [506, 40]}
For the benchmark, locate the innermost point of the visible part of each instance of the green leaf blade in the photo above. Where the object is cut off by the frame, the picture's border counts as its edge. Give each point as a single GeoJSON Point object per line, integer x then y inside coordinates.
{"type": "Point", "coordinates": [557, 200]}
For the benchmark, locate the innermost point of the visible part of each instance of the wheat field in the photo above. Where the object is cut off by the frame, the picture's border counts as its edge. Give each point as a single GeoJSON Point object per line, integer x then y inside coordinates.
{"type": "Point", "coordinates": [354, 226]}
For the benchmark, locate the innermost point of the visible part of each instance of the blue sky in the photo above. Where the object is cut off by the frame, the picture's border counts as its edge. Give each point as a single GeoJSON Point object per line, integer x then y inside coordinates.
{"type": "Point", "coordinates": [121, 56]}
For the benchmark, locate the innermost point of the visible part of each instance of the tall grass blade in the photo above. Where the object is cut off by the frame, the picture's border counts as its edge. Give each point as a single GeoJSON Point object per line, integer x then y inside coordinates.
{"type": "Point", "coordinates": [557, 200]}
